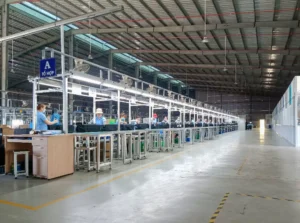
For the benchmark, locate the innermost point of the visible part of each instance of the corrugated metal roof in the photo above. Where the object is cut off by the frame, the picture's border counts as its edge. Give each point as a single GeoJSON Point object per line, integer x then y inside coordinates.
{"type": "Point", "coordinates": [171, 13]}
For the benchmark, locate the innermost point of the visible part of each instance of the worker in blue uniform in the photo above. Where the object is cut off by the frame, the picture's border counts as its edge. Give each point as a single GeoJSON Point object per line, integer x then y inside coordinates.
{"type": "Point", "coordinates": [41, 121]}
{"type": "Point", "coordinates": [55, 116]}
{"type": "Point", "coordinates": [100, 119]}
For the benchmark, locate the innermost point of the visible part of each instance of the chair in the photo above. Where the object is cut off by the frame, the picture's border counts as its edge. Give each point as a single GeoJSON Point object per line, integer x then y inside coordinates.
{"type": "Point", "coordinates": [16, 171]}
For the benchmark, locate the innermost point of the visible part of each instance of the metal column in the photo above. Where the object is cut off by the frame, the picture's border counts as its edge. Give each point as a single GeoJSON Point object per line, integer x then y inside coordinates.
{"type": "Point", "coordinates": [169, 84]}
{"type": "Point", "coordinates": [150, 109]}
{"type": "Point", "coordinates": [4, 12]}
{"type": "Point", "coordinates": [137, 70]}
{"type": "Point", "coordinates": [94, 110]}
{"type": "Point", "coordinates": [71, 67]}
{"type": "Point", "coordinates": [110, 60]}
{"type": "Point", "coordinates": [64, 80]}
{"type": "Point", "coordinates": [34, 103]}
{"type": "Point", "coordinates": [195, 117]}
{"type": "Point", "coordinates": [129, 112]}
{"type": "Point", "coordinates": [155, 78]}
{"type": "Point", "coordinates": [119, 109]}
{"type": "Point", "coordinates": [169, 114]}
{"type": "Point", "coordinates": [179, 89]}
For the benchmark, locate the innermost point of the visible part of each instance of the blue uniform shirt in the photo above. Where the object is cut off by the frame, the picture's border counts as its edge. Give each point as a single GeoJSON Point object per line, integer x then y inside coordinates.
{"type": "Point", "coordinates": [55, 116]}
{"type": "Point", "coordinates": [40, 121]}
{"type": "Point", "coordinates": [100, 121]}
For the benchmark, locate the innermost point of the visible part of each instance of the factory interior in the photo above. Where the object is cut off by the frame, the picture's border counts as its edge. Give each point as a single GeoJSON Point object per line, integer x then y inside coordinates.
{"type": "Point", "coordinates": [153, 111]}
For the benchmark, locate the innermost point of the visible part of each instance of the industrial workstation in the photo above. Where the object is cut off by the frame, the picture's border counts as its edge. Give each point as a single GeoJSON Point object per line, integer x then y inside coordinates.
{"type": "Point", "coordinates": [149, 111]}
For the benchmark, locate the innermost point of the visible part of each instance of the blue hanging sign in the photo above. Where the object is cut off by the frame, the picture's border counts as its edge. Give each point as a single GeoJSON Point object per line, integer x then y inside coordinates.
{"type": "Point", "coordinates": [48, 68]}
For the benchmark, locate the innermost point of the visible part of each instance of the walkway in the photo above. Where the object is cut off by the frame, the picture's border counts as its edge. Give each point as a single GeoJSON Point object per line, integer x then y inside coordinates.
{"type": "Point", "coordinates": [241, 177]}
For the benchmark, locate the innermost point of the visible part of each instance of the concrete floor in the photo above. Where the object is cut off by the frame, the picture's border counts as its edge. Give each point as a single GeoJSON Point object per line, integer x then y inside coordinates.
{"type": "Point", "coordinates": [260, 170]}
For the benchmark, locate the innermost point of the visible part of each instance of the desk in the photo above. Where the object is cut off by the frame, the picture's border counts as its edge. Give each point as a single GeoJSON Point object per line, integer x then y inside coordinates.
{"type": "Point", "coordinates": [52, 156]}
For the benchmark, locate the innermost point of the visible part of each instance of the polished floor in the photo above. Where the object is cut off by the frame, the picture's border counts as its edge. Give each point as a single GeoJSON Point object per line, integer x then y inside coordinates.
{"type": "Point", "coordinates": [241, 177]}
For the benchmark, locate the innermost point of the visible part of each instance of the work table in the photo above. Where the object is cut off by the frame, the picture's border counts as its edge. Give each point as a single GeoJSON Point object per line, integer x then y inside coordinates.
{"type": "Point", "coordinates": [52, 155]}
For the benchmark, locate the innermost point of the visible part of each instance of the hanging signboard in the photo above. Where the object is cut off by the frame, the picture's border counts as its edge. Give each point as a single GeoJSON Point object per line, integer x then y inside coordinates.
{"type": "Point", "coordinates": [76, 89]}
{"type": "Point", "coordinates": [114, 96]}
{"type": "Point", "coordinates": [92, 92]}
{"type": "Point", "coordinates": [133, 100]}
{"type": "Point", "coordinates": [48, 68]}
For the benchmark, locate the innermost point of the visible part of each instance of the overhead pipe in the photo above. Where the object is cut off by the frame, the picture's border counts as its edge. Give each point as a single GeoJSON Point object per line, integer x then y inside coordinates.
{"type": "Point", "coordinates": [61, 22]}
{"type": "Point", "coordinates": [219, 66]}
{"type": "Point", "coordinates": [191, 28]}
{"type": "Point", "coordinates": [210, 52]}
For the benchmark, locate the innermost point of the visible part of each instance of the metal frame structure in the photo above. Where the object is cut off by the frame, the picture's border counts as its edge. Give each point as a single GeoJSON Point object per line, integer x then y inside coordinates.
{"type": "Point", "coordinates": [158, 95]}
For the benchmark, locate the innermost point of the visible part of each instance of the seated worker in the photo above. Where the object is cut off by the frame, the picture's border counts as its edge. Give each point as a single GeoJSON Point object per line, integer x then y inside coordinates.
{"type": "Point", "coordinates": [41, 121]}
{"type": "Point", "coordinates": [165, 120]}
{"type": "Point", "coordinates": [122, 119]}
{"type": "Point", "coordinates": [154, 119]}
{"type": "Point", "coordinates": [100, 119]}
{"type": "Point", "coordinates": [193, 122]}
{"type": "Point", "coordinates": [136, 121]}
{"type": "Point", "coordinates": [178, 120]}
{"type": "Point", "coordinates": [55, 116]}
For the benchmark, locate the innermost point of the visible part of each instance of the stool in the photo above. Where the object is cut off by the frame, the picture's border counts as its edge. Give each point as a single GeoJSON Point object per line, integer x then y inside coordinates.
{"type": "Point", "coordinates": [19, 173]}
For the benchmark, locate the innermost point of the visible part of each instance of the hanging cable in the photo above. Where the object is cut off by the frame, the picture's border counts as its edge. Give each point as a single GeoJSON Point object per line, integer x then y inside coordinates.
{"type": "Point", "coordinates": [205, 40]}
{"type": "Point", "coordinates": [225, 57]}
{"type": "Point", "coordinates": [235, 80]}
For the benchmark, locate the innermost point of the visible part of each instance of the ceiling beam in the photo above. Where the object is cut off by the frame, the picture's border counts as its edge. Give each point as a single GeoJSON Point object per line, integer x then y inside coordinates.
{"type": "Point", "coordinates": [220, 66]}
{"type": "Point", "coordinates": [188, 74]}
{"type": "Point", "coordinates": [236, 86]}
{"type": "Point", "coordinates": [9, 2]}
{"type": "Point", "coordinates": [180, 29]}
{"type": "Point", "coordinates": [192, 28]}
{"type": "Point", "coordinates": [210, 52]}
{"type": "Point", "coordinates": [61, 23]}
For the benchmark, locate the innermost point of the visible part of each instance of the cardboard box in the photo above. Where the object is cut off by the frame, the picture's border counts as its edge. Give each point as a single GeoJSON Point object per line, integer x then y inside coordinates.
{"type": "Point", "coordinates": [107, 153]}
{"type": "Point", "coordinates": [24, 126]}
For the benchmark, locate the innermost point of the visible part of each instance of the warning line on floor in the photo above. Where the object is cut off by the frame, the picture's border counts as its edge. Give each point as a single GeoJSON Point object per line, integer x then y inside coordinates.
{"type": "Point", "coordinates": [130, 172]}
{"type": "Point", "coordinates": [220, 207]}
{"type": "Point", "coordinates": [268, 198]}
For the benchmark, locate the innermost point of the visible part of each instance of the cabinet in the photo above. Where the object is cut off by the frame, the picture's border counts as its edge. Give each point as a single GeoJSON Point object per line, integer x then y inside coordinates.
{"type": "Point", "coordinates": [52, 156]}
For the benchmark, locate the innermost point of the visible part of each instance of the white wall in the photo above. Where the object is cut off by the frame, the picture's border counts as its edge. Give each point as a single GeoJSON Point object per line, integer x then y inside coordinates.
{"type": "Point", "coordinates": [284, 115]}
{"type": "Point", "coordinates": [242, 122]}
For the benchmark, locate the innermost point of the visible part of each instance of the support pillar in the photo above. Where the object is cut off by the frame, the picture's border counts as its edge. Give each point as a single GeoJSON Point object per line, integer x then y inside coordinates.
{"type": "Point", "coordinates": [64, 80]}
{"type": "Point", "coordinates": [169, 84]}
{"type": "Point", "coordinates": [4, 26]}
{"type": "Point", "coordinates": [137, 69]}
{"type": "Point", "coordinates": [71, 67]}
{"type": "Point", "coordinates": [110, 105]}
{"type": "Point", "coordinates": [4, 71]}
{"type": "Point", "coordinates": [110, 60]}
{"type": "Point", "coordinates": [179, 89]}
{"type": "Point", "coordinates": [155, 78]}
{"type": "Point", "coordinates": [187, 93]}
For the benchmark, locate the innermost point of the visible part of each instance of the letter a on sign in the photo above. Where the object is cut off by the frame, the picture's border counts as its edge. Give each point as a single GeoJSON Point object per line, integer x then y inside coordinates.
{"type": "Point", "coordinates": [47, 65]}
{"type": "Point", "coordinates": [48, 68]}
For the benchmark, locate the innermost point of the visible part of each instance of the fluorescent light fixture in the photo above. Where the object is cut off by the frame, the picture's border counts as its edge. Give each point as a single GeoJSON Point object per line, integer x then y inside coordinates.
{"type": "Point", "coordinates": [205, 40]}
{"type": "Point", "coordinates": [86, 78]}
{"type": "Point", "coordinates": [133, 91]}
{"type": "Point", "coordinates": [115, 86]}
{"type": "Point", "coordinates": [50, 83]}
